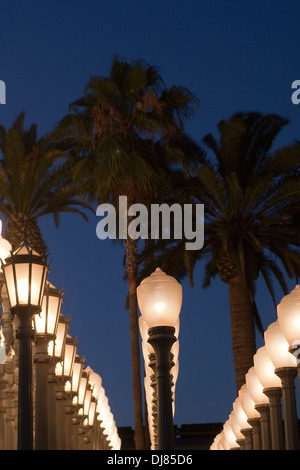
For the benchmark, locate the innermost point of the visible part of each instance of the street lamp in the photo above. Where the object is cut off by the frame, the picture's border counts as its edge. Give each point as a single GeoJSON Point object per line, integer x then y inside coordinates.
{"type": "Point", "coordinates": [63, 372]}
{"type": "Point", "coordinates": [288, 312]}
{"type": "Point", "coordinates": [45, 325]}
{"type": "Point", "coordinates": [25, 274]}
{"type": "Point", "coordinates": [264, 368]}
{"type": "Point", "coordinates": [261, 401]}
{"type": "Point", "coordinates": [242, 426]}
{"type": "Point", "coordinates": [285, 368]}
{"type": "Point", "coordinates": [253, 416]}
{"type": "Point", "coordinates": [160, 298]}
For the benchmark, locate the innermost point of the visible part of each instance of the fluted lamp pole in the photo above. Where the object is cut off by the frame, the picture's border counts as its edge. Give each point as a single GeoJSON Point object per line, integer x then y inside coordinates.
{"type": "Point", "coordinates": [255, 388]}
{"type": "Point", "coordinates": [63, 372]}
{"type": "Point", "coordinates": [286, 369]}
{"type": "Point", "coordinates": [160, 298]}
{"type": "Point", "coordinates": [25, 274]}
{"type": "Point", "coordinates": [45, 325]}
{"type": "Point", "coordinates": [265, 370]}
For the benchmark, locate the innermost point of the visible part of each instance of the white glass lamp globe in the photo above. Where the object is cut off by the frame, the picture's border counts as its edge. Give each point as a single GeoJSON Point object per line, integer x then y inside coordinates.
{"type": "Point", "coordinates": [265, 368]}
{"type": "Point", "coordinates": [278, 347]}
{"type": "Point", "coordinates": [248, 403]}
{"type": "Point", "coordinates": [160, 298]}
{"type": "Point", "coordinates": [288, 312]}
{"type": "Point", "coordinates": [255, 387]}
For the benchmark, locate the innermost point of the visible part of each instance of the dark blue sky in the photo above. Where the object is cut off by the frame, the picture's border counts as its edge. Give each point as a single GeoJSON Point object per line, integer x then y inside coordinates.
{"type": "Point", "coordinates": [236, 56]}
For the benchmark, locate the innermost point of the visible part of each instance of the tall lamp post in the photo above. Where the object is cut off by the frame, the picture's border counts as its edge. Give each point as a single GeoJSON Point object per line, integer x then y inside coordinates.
{"type": "Point", "coordinates": [160, 298]}
{"type": "Point", "coordinates": [63, 373]}
{"type": "Point", "coordinates": [25, 274]}
{"type": "Point", "coordinates": [45, 329]}
{"type": "Point", "coordinates": [285, 367]}
{"type": "Point", "coordinates": [265, 368]}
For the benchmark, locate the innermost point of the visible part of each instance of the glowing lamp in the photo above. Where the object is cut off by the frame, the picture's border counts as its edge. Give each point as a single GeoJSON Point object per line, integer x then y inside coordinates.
{"type": "Point", "coordinates": [83, 383]}
{"type": "Point", "coordinates": [240, 415]}
{"type": "Point", "coordinates": [255, 387]}
{"type": "Point", "coordinates": [25, 274]}
{"type": "Point", "coordinates": [248, 403]}
{"type": "Point", "coordinates": [288, 312]}
{"type": "Point", "coordinates": [46, 322]}
{"type": "Point", "coordinates": [278, 347]}
{"type": "Point", "coordinates": [56, 348]}
{"type": "Point", "coordinates": [229, 434]}
{"type": "Point", "coordinates": [160, 298]}
{"type": "Point", "coordinates": [265, 368]}
{"type": "Point", "coordinates": [65, 367]}
{"type": "Point", "coordinates": [76, 375]}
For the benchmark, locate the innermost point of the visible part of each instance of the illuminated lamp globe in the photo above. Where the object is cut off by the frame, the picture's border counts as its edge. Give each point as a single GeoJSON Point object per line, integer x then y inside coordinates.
{"type": "Point", "coordinates": [240, 415]}
{"type": "Point", "coordinates": [46, 322]}
{"type": "Point", "coordinates": [160, 298]}
{"type": "Point", "coordinates": [248, 403]}
{"type": "Point", "coordinates": [255, 387]}
{"type": "Point", "coordinates": [25, 273]}
{"type": "Point", "coordinates": [288, 312]}
{"type": "Point", "coordinates": [229, 434]}
{"type": "Point", "coordinates": [265, 368]}
{"type": "Point", "coordinates": [278, 347]}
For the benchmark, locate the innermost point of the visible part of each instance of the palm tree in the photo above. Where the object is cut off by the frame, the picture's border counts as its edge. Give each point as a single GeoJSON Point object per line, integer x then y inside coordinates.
{"type": "Point", "coordinates": [34, 181]}
{"type": "Point", "coordinates": [251, 196]}
{"type": "Point", "coordinates": [120, 127]}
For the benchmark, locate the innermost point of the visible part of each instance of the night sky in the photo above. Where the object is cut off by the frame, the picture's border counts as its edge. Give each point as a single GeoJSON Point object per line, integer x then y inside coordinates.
{"type": "Point", "coordinates": [236, 56]}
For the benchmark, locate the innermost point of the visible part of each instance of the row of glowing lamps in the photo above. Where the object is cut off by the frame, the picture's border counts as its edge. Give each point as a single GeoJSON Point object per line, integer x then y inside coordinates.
{"type": "Point", "coordinates": [84, 385]}
{"type": "Point", "coordinates": [280, 350]}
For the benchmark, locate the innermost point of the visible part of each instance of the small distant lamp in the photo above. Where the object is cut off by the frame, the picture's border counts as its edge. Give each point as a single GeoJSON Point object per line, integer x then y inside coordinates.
{"type": "Point", "coordinates": [160, 299]}
{"type": "Point", "coordinates": [253, 416]}
{"type": "Point", "coordinates": [64, 368]}
{"type": "Point", "coordinates": [242, 421]}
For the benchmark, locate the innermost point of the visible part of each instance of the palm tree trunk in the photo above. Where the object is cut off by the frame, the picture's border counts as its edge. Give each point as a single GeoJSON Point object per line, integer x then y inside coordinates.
{"type": "Point", "coordinates": [242, 329]}
{"type": "Point", "coordinates": [131, 268]}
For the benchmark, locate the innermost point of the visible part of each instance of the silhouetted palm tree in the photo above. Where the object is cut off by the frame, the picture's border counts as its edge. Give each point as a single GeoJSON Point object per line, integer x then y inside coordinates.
{"type": "Point", "coordinates": [34, 181]}
{"type": "Point", "coordinates": [122, 126]}
{"type": "Point", "coordinates": [251, 196]}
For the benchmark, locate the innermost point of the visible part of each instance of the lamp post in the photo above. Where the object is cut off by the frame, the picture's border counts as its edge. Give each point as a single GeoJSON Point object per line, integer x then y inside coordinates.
{"type": "Point", "coordinates": [272, 388]}
{"type": "Point", "coordinates": [285, 368]}
{"type": "Point", "coordinates": [25, 276]}
{"type": "Point", "coordinates": [74, 392]}
{"type": "Point", "coordinates": [240, 425]}
{"type": "Point", "coordinates": [160, 298]}
{"type": "Point", "coordinates": [261, 401]}
{"type": "Point", "coordinates": [56, 351]}
{"type": "Point", "coordinates": [45, 325]}
{"type": "Point", "coordinates": [63, 372]}
{"type": "Point", "coordinates": [253, 416]}
{"type": "Point", "coordinates": [83, 384]}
